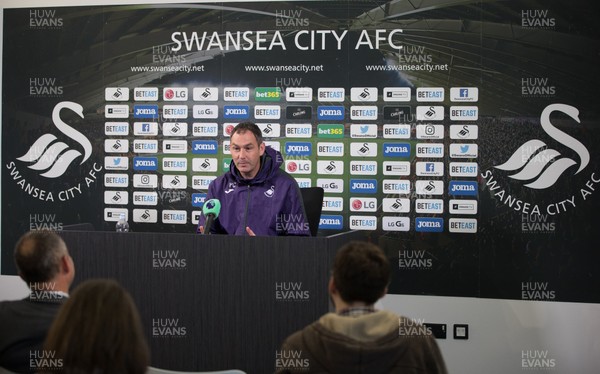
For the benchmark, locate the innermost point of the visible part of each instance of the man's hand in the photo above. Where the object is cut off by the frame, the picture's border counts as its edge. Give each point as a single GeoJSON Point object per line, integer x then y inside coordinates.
{"type": "Point", "coordinates": [201, 229]}
{"type": "Point", "coordinates": [249, 231]}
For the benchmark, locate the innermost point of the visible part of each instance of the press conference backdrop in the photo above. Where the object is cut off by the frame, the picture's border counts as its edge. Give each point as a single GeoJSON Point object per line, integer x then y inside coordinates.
{"type": "Point", "coordinates": [461, 138]}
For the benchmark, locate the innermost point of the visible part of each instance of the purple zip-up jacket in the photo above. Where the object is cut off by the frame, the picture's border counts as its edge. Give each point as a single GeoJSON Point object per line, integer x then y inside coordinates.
{"type": "Point", "coordinates": [270, 204]}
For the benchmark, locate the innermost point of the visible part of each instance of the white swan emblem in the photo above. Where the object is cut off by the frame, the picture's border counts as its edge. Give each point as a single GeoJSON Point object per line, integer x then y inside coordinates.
{"type": "Point", "coordinates": [534, 166]}
{"type": "Point", "coordinates": [48, 155]}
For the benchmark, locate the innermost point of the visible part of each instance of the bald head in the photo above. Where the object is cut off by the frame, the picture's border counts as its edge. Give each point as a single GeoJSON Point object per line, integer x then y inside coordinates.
{"type": "Point", "coordinates": [39, 256]}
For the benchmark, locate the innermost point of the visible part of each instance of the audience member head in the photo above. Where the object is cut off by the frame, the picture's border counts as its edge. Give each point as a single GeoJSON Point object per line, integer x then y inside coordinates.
{"type": "Point", "coordinates": [243, 127]}
{"type": "Point", "coordinates": [360, 276]}
{"type": "Point", "coordinates": [99, 330]}
{"type": "Point", "coordinates": [43, 261]}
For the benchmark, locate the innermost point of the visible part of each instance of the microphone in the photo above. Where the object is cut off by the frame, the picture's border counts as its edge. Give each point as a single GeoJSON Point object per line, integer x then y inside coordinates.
{"type": "Point", "coordinates": [210, 209]}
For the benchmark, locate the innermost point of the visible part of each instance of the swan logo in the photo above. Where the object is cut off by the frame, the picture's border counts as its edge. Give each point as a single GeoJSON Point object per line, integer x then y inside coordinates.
{"type": "Point", "coordinates": [53, 157]}
{"type": "Point", "coordinates": [534, 161]}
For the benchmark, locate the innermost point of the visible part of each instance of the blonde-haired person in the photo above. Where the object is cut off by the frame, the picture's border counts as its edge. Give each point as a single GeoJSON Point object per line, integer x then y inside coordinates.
{"type": "Point", "coordinates": [98, 330]}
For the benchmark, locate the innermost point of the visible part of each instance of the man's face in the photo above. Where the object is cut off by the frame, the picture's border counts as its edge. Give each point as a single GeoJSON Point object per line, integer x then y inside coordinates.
{"type": "Point", "coordinates": [246, 153]}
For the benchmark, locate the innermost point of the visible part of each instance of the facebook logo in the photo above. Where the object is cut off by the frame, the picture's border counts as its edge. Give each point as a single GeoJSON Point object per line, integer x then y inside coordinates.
{"type": "Point", "coordinates": [145, 127]}
{"type": "Point", "coordinates": [429, 166]}
{"type": "Point", "coordinates": [464, 92]}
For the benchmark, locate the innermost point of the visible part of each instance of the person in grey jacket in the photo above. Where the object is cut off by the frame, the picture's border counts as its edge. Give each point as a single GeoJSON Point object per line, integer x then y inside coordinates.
{"type": "Point", "coordinates": [357, 338]}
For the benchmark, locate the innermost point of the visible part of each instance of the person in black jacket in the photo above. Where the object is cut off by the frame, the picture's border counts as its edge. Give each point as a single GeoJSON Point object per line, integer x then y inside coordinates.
{"type": "Point", "coordinates": [43, 262]}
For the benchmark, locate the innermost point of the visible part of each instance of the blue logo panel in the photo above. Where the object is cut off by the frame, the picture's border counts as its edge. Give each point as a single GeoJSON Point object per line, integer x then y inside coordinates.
{"type": "Point", "coordinates": [298, 148]}
{"type": "Point", "coordinates": [363, 186]}
{"type": "Point", "coordinates": [145, 163]}
{"type": "Point", "coordinates": [145, 111]}
{"type": "Point", "coordinates": [330, 113]}
{"type": "Point", "coordinates": [396, 149]}
{"type": "Point", "coordinates": [429, 224]}
{"type": "Point", "coordinates": [328, 222]}
{"type": "Point", "coordinates": [205, 147]}
{"type": "Point", "coordinates": [198, 199]}
{"type": "Point", "coordinates": [236, 112]}
{"type": "Point", "coordinates": [462, 188]}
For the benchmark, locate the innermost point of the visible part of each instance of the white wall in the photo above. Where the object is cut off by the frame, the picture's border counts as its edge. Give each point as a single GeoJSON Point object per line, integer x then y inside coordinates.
{"type": "Point", "coordinates": [500, 330]}
{"type": "Point", "coordinates": [12, 287]}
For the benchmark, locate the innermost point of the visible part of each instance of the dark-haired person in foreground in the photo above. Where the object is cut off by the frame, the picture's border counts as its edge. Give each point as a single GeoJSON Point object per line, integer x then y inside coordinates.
{"type": "Point", "coordinates": [357, 338]}
{"type": "Point", "coordinates": [43, 262]}
{"type": "Point", "coordinates": [98, 330]}
{"type": "Point", "coordinates": [256, 196]}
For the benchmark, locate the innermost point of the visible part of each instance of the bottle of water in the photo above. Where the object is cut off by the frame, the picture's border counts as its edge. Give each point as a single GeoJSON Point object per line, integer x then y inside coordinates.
{"type": "Point", "coordinates": [122, 225]}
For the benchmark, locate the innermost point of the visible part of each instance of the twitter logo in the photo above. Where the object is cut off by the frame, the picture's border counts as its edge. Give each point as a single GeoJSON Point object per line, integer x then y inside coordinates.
{"type": "Point", "coordinates": [464, 148]}
{"type": "Point", "coordinates": [364, 129]}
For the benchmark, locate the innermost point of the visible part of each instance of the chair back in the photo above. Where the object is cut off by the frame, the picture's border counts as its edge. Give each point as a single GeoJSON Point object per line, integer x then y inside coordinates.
{"type": "Point", "coordinates": [313, 205]}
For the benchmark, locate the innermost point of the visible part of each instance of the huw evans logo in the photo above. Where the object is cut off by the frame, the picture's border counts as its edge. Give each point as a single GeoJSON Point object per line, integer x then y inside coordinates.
{"type": "Point", "coordinates": [44, 19]}
{"type": "Point", "coordinates": [168, 328]}
{"type": "Point", "coordinates": [537, 19]}
{"type": "Point", "coordinates": [44, 360]}
{"type": "Point", "coordinates": [537, 360]}
{"type": "Point", "coordinates": [290, 291]}
{"type": "Point", "coordinates": [52, 156]}
{"type": "Point", "coordinates": [543, 166]}
{"type": "Point", "coordinates": [537, 291]}
{"type": "Point", "coordinates": [45, 87]}
{"type": "Point", "coordinates": [537, 87]}
{"type": "Point", "coordinates": [291, 18]}
{"type": "Point", "coordinates": [287, 360]}
{"type": "Point", "coordinates": [168, 259]}
{"type": "Point", "coordinates": [414, 260]}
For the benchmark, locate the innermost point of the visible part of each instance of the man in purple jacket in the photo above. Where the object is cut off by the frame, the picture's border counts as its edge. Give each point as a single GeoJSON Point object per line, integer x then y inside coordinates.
{"type": "Point", "coordinates": [257, 197]}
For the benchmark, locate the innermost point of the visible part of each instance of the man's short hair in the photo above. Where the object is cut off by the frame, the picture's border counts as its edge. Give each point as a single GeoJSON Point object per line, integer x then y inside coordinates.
{"type": "Point", "coordinates": [242, 127]}
{"type": "Point", "coordinates": [38, 255]}
{"type": "Point", "coordinates": [361, 272]}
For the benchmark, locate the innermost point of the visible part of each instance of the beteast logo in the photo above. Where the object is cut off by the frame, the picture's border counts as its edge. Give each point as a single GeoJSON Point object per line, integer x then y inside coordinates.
{"type": "Point", "coordinates": [546, 176]}
{"type": "Point", "coordinates": [47, 153]}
